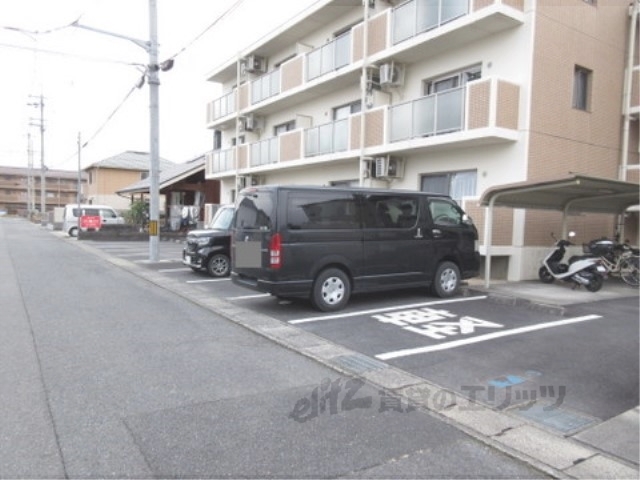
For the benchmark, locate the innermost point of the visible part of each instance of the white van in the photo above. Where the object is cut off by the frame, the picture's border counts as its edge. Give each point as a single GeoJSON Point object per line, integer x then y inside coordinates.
{"type": "Point", "coordinates": [72, 211]}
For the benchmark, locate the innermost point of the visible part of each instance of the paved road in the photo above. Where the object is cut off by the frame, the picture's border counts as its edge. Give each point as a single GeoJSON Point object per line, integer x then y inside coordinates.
{"type": "Point", "coordinates": [587, 360]}
{"type": "Point", "coordinates": [571, 370]}
{"type": "Point", "coordinates": [107, 375]}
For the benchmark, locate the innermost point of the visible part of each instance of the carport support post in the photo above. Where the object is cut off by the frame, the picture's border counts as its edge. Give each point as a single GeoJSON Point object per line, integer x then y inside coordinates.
{"type": "Point", "coordinates": [488, 226]}
{"type": "Point", "coordinates": [565, 221]}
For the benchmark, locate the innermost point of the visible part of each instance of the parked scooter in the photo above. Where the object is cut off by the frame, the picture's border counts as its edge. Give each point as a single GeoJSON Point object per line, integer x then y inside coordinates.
{"type": "Point", "coordinates": [587, 271]}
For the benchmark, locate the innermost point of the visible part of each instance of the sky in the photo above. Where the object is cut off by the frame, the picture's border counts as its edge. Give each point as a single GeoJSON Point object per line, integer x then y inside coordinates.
{"type": "Point", "coordinates": [84, 76]}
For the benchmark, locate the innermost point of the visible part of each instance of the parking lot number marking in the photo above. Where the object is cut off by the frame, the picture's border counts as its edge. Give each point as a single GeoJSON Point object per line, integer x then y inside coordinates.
{"type": "Point", "coordinates": [426, 321]}
{"type": "Point", "coordinates": [484, 338]}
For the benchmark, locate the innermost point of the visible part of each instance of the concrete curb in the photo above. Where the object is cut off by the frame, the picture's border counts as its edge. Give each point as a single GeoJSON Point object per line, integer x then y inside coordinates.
{"type": "Point", "coordinates": [550, 453]}
{"type": "Point", "coordinates": [505, 299]}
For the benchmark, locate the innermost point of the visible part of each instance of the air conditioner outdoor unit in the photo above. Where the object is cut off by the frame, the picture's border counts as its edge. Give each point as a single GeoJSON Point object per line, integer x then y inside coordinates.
{"type": "Point", "coordinates": [241, 182]}
{"type": "Point", "coordinates": [389, 167]}
{"type": "Point", "coordinates": [251, 123]}
{"type": "Point", "coordinates": [391, 74]}
{"type": "Point", "coordinates": [255, 64]}
{"type": "Point", "coordinates": [244, 181]}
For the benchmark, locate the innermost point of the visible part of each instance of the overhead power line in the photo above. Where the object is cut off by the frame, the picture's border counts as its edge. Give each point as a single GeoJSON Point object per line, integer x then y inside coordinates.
{"type": "Point", "coordinates": [70, 55]}
{"type": "Point", "coordinates": [213, 24]}
{"type": "Point", "coordinates": [104, 123]}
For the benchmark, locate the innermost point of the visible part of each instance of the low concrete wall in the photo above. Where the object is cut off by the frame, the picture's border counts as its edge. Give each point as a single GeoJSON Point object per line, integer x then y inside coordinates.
{"type": "Point", "coordinates": [114, 233]}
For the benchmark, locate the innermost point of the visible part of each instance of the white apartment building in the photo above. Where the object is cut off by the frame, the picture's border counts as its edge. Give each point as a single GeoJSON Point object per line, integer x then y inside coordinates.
{"type": "Point", "coordinates": [457, 96]}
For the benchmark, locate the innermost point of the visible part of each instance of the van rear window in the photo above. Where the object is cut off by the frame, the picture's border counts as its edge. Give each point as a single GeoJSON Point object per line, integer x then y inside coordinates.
{"type": "Point", "coordinates": [322, 210]}
{"type": "Point", "coordinates": [255, 210]}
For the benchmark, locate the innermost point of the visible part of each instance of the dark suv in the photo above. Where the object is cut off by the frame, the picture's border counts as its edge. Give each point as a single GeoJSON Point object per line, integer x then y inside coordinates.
{"type": "Point", "coordinates": [209, 250]}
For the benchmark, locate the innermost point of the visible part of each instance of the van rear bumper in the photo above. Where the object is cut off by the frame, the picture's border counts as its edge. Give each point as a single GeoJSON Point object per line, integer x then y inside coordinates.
{"type": "Point", "coordinates": [297, 289]}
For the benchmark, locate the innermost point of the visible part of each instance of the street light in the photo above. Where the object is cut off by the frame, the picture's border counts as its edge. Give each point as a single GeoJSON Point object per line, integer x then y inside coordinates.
{"type": "Point", "coordinates": [151, 47]}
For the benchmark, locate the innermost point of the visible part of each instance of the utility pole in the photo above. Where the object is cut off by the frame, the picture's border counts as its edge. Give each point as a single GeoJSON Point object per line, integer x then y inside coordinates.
{"type": "Point", "coordinates": [154, 149]}
{"type": "Point", "coordinates": [40, 104]}
{"type": "Point", "coordinates": [151, 47]}
{"type": "Point", "coordinates": [30, 199]}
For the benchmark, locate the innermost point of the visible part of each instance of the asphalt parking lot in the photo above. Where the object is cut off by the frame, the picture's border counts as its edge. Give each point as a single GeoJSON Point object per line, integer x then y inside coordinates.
{"type": "Point", "coordinates": [582, 365]}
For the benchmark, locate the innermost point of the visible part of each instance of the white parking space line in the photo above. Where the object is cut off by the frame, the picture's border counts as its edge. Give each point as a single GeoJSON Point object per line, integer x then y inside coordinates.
{"type": "Point", "coordinates": [166, 260]}
{"type": "Point", "coordinates": [484, 338]}
{"type": "Point", "coordinates": [246, 297]}
{"type": "Point", "coordinates": [385, 309]}
{"type": "Point", "coordinates": [132, 254]}
{"type": "Point", "coordinates": [173, 270]}
{"type": "Point", "coordinates": [209, 280]}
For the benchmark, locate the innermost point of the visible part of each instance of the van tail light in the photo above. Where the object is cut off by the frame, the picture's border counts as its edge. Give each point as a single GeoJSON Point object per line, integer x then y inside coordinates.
{"type": "Point", "coordinates": [275, 251]}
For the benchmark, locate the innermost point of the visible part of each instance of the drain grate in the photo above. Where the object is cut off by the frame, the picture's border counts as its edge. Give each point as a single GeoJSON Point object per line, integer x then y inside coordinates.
{"type": "Point", "coordinates": [557, 418]}
{"type": "Point", "coordinates": [359, 363]}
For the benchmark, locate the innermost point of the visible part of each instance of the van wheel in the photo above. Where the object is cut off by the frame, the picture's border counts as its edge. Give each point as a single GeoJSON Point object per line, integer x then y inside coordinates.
{"type": "Point", "coordinates": [331, 290]}
{"type": "Point", "coordinates": [218, 265]}
{"type": "Point", "coordinates": [446, 282]}
{"type": "Point", "coordinates": [73, 232]}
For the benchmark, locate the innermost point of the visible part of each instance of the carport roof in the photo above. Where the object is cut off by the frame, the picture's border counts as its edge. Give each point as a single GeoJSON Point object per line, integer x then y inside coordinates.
{"type": "Point", "coordinates": [576, 193]}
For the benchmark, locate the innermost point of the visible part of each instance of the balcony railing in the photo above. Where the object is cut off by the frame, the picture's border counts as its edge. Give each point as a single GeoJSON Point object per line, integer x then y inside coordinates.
{"type": "Point", "coordinates": [219, 161]}
{"type": "Point", "coordinates": [418, 16]}
{"type": "Point", "coordinates": [265, 152]}
{"type": "Point", "coordinates": [221, 107]}
{"type": "Point", "coordinates": [409, 20]}
{"type": "Point", "coordinates": [431, 115]}
{"type": "Point", "coordinates": [329, 57]}
{"type": "Point", "coordinates": [266, 86]}
{"type": "Point", "coordinates": [328, 138]}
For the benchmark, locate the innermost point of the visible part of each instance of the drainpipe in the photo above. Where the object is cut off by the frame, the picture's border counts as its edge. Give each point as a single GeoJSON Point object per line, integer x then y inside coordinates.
{"type": "Point", "coordinates": [237, 127]}
{"type": "Point", "coordinates": [363, 91]}
{"type": "Point", "coordinates": [626, 105]}
{"type": "Point", "coordinates": [626, 98]}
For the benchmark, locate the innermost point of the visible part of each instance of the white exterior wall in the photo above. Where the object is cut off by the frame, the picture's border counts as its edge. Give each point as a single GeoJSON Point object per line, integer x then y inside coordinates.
{"type": "Point", "coordinates": [506, 55]}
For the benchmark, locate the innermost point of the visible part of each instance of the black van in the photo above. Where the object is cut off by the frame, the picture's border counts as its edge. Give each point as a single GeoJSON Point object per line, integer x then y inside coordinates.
{"type": "Point", "coordinates": [324, 243]}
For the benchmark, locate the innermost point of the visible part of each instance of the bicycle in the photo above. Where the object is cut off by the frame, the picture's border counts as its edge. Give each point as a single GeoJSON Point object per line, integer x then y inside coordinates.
{"type": "Point", "coordinates": [620, 259]}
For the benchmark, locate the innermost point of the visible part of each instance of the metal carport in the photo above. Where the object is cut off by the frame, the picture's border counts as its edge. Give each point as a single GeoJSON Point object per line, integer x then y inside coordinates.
{"type": "Point", "coordinates": [576, 193]}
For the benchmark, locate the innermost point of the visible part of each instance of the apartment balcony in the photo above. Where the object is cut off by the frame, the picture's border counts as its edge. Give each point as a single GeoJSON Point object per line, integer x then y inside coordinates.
{"type": "Point", "coordinates": [407, 33]}
{"type": "Point", "coordinates": [219, 161]}
{"type": "Point", "coordinates": [483, 112]}
{"type": "Point", "coordinates": [222, 107]}
{"type": "Point", "coordinates": [421, 29]}
{"type": "Point", "coordinates": [13, 197]}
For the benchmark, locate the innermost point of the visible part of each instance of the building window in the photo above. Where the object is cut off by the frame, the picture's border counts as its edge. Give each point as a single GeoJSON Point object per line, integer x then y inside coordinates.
{"type": "Point", "coordinates": [284, 127]}
{"type": "Point", "coordinates": [344, 111]}
{"type": "Point", "coordinates": [345, 183]}
{"type": "Point", "coordinates": [237, 140]}
{"type": "Point", "coordinates": [591, 2]}
{"type": "Point", "coordinates": [582, 78]}
{"type": "Point", "coordinates": [455, 184]}
{"type": "Point", "coordinates": [217, 140]}
{"type": "Point", "coordinates": [144, 175]}
{"type": "Point", "coordinates": [453, 80]}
